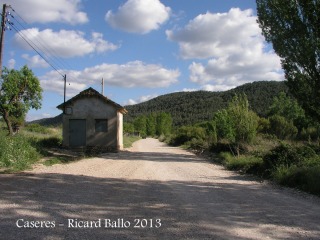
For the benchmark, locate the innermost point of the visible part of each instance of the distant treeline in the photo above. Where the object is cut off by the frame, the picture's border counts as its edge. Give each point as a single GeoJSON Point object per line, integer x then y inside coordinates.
{"type": "Point", "coordinates": [188, 108]}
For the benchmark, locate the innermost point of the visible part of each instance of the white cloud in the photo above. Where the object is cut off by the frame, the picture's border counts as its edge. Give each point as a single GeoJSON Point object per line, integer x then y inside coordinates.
{"type": "Point", "coordinates": [66, 11]}
{"type": "Point", "coordinates": [216, 88]}
{"type": "Point", "coordinates": [35, 116]}
{"type": "Point", "coordinates": [131, 74]}
{"type": "Point", "coordinates": [233, 44]}
{"type": "Point", "coordinates": [141, 99]}
{"type": "Point", "coordinates": [53, 82]}
{"type": "Point", "coordinates": [11, 63]}
{"type": "Point", "coordinates": [35, 61]}
{"type": "Point", "coordinates": [64, 43]}
{"type": "Point", "coordinates": [139, 16]}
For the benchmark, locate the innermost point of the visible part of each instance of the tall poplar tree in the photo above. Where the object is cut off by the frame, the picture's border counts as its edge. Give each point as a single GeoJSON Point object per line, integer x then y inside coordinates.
{"type": "Point", "coordinates": [292, 26]}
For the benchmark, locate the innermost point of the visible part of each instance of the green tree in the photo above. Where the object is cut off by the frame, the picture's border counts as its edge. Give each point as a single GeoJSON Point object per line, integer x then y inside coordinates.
{"type": "Point", "coordinates": [287, 107]}
{"type": "Point", "coordinates": [163, 123]}
{"type": "Point", "coordinates": [293, 29]}
{"type": "Point", "coordinates": [238, 124]}
{"type": "Point", "coordinates": [151, 124]}
{"type": "Point", "coordinates": [19, 91]}
{"type": "Point", "coordinates": [282, 128]}
{"type": "Point", "coordinates": [140, 124]}
{"type": "Point", "coordinates": [128, 127]}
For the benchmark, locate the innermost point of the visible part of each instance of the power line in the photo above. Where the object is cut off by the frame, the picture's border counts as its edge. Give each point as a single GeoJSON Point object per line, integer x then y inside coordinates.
{"type": "Point", "coordinates": [49, 52]}
{"type": "Point", "coordinates": [34, 48]}
{"type": "Point", "coordinates": [42, 52]}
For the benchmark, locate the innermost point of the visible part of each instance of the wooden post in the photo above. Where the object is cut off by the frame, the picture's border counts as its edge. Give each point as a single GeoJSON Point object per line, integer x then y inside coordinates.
{"type": "Point", "coordinates": [3, 25]}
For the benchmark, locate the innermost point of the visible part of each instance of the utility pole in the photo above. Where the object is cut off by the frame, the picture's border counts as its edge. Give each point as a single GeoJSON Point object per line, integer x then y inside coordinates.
{"type": "Point", "coordinates": [102, 86]}
{"type": "Point", "coordinates": [3, 27]}
{"type": "Point", "coordinates": [64, 94]}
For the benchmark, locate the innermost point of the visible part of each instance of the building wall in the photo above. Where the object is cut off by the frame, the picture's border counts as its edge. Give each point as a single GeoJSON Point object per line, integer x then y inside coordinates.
{"type": "Point", "coordinates": [92, 109]}
{"type": "Point", "coordinates": [120, 130]}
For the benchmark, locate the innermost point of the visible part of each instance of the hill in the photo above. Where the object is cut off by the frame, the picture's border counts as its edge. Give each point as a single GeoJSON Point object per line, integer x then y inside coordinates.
{"type": "Point", "coordinates": [192, 107]}
{"type": "Point", "coordinates": [54, 121]}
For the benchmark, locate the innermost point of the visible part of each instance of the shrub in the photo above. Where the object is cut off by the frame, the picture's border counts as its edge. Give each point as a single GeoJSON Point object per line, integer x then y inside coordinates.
{"type": "Point", "coordinates": [187, 133]}
{"type": "Point", "coordinates": [282, 128]}
{"type": "Point", "coordinates": [197, 144]}
{"type": "Point", "coordinates": [309, 133]}
{"type": "Point", "coordinates": [263, 125]}
{"type": "Point", "coordinates": [245, 164]}
{"type": "Point", "coordinates": [282, 155]}
{"type": "Point", "coordinates": [17, 152]}
{"type": "Point", "coordinates": [49, 142]}
{"type": "Point", "coordinates": [303, 178]}
{"type": "Point", "coordinates": [37, 128]}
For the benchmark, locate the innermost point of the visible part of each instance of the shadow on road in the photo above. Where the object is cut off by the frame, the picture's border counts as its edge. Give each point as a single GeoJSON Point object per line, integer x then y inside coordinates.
{"type": "Point", "coordinates": [154, 156]}
{"type": "Point", "coordinates": [188, 210]}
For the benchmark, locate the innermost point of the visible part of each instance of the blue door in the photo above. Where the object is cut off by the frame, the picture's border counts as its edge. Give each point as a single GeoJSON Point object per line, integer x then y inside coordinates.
{"type": "Point", "coordinates": [77, 132]}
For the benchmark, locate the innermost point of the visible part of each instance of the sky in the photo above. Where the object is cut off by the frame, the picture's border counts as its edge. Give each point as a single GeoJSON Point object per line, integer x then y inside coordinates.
{"type": "Point", "coordinates": [141, 48]}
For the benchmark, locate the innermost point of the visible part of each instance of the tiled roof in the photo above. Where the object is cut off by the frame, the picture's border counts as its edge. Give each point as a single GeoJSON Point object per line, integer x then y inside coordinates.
{"type": "Point", "coordinates": [90, 92]}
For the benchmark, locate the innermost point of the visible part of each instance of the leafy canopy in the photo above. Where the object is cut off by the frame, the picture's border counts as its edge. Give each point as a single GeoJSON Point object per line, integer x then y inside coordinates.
{"type": "Point", "coordinates": [20, 90]}
{"type": "Point", "coordinates": [292, 26]}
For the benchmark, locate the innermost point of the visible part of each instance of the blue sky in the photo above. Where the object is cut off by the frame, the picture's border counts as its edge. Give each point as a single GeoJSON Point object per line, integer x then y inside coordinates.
{"type": "Point", "coordinates": [141, 48]}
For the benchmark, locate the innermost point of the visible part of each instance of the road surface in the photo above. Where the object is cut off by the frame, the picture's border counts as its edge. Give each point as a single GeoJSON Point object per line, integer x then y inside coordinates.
{"type": "Point", "coordinates": [151, 191]}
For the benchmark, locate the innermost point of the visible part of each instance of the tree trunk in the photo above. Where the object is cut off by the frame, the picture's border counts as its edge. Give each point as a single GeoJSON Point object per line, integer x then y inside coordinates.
{"type": "Point", "coordinates": [8, 122]}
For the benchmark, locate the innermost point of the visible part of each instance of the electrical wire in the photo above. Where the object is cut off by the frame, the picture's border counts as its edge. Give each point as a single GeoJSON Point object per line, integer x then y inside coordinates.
{"type": "Point", "coordinates": [34, 48]}
{"type": "Point", "coordinates": [49, 52]}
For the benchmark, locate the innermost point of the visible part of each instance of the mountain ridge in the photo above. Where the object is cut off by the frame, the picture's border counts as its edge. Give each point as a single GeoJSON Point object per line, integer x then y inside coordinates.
{"type": "Point", "coordinates": [197, 106]}
{"type": "Point", "coordinates": [187, 108]}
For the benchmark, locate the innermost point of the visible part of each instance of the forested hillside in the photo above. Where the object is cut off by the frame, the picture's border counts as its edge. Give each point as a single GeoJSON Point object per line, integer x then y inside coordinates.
{"type": "Point", "coordinates": [187, 108]}
{"type": "Point", "coordinates": [55, 121]}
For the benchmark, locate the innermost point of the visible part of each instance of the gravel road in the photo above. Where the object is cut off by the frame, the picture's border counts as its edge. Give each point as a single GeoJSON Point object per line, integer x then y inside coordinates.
{"type": "Point", "coordinates": [150, 191]}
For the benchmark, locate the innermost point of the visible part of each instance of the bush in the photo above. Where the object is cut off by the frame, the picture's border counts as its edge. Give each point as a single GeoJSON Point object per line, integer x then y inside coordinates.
{"type": "Point", "coordinates": [282, 155]}
{"type": "Point", "coordinates": [17, 152]}
{"type": "Point", "coordinates": [309, 133]}
{"type": "Point", "coordinates": [37, 128]}
{"type": "Point", "coordinates": [187, 133]}
{"type": "Point", "coordinates": [282, 128]}
{"type": "Point", "coordinates": [49, 142]}
{"type": "Point", "coordinates": [303, 178]}
{"type": "Point", "coordinates": [197, 144]}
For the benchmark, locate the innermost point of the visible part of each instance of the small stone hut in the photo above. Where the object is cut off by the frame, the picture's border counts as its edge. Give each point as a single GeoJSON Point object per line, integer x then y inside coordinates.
{"type": "Point", "coordinates": [92, 120]}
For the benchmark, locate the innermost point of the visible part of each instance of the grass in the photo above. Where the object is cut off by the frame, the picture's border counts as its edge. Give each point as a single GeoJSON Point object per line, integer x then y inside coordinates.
{"type": "Point", "coordinates": [291, 164]}
{"type": "Point", "coordinates": [59, 160]}
{"type": "Point", "coordinates": [21, 151]}
{"type": "Point", "coordinates": [17, 153]}
{"type": "Point", "coordinates": [129, 140]}
{"type": "Point", "coordinates": [245, 164]}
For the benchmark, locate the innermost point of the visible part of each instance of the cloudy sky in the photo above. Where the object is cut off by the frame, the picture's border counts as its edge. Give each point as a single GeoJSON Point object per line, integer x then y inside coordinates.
{"type": "Point", "coordinates": [141, 48]}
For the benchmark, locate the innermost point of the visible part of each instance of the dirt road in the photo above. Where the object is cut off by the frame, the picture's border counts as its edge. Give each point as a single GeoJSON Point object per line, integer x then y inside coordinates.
{"type": "Point", "coordinates": [151, 191]}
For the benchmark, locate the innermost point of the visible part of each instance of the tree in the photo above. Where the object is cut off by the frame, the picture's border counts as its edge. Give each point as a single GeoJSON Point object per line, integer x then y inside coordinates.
{"type": "Point", "coordinates": [238, 124]}
{"type": "Point", "coordinates": [140, 124]}
{"type": "Point", "coordinates": [282, 128]}
{"type": "Point", "coordinates": [19, 91]}
{"type": "Point", "coordinates": [163, 123]}
{"type": "Point", "coordinates": [286, 107]}
{"type": "Point", "coordinates": [292, 26]}
{"type": "Point", "coordinates": [151, 125]}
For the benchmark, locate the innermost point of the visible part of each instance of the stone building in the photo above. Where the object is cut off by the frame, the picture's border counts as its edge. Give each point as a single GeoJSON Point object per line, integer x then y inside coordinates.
{"type": "Point", "coordinates": [92, 120]}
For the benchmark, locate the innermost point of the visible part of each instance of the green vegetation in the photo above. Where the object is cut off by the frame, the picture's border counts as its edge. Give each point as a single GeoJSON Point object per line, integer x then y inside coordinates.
{"type": "Point", "coordinates": [283, 145]}
{"type": "Point", "coordinates": [292, 27]}
{"type": "Point", "coordinates": [189, 108]}
{"type": "Point", "coordinates": [20, 151]}
{"type": "Point", "coordinates": [19, 91]}
{"type": "Point", "coordinates": [129, 140]}
{"type": "Point", "coordinates": [17, 152]}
